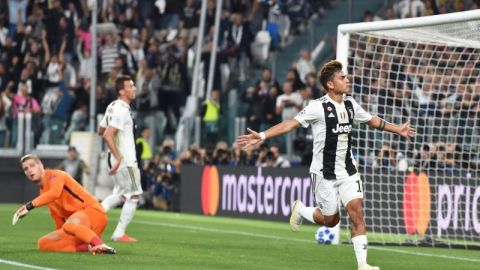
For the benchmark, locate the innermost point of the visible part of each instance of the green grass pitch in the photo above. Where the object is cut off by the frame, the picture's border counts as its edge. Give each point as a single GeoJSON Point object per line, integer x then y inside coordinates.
{"type": "Point", "coordinates": [183, 241]}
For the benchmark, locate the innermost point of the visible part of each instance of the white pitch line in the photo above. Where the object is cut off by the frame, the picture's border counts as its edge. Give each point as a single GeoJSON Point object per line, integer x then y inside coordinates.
{"type": "Point", "coordinates": [424, 254]}
{"type": "Point", "coordinates": [267, 236]}
{"type": "Point", "coordinates": [19, 264]}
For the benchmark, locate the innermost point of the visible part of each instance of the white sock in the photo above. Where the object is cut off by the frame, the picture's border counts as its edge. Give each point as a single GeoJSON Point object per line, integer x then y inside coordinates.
{"type": "Point", "coordinates": [307, 212]}
{"type": "Point", "coordinates": [111, 202]}
{"type": "Point", "coordinates": [360, 245]}
{"type": "Point", "coordinates": [128, 211]}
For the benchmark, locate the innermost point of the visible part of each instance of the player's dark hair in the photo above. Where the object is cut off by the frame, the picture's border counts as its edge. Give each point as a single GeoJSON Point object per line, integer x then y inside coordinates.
{"type": "Point", "coordinates": [120, 83]}
{"type": "Point", "coordinates": [328, 71]}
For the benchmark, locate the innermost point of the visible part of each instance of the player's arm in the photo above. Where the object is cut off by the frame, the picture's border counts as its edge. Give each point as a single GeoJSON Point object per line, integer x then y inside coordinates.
{"type": "Point", "coordinates": [403, 130]}
{"type": "Point", "coordinates": [109, 137]}
{"type": "Point", "coordinates": [101, 130]}
{"type": "Point", "coordinates": [102, 126]}
{"type": "Point", "coordinates": [254, 138]}
{"type": "Point", "coordinates": [54, 192]}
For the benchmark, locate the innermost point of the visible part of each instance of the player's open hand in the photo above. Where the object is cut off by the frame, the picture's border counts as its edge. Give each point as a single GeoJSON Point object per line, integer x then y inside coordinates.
{"type": "Point", "coordinates": [115, 166]}
{"type": "Point", "coordinates": [21, 212]}
{"type": "Point", "coordinates": [407, 131]}
{"type": "Point", "coordinates": [249, 141]}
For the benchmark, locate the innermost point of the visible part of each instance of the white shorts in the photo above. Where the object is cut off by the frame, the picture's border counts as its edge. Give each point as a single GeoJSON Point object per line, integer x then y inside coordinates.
{"type": "Point", "coordinates": [127, 182]}
{"type": "Point", "coordinates": [327, 194]}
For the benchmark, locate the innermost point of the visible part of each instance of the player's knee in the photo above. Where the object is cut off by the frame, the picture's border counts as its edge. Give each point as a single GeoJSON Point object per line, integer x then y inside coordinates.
{"type": "Point", "coordinates": [69, 227]}
{"type": "Point", "coordinates": [43, 243]}
{"type": "Point", "coordinates": [355, 208]}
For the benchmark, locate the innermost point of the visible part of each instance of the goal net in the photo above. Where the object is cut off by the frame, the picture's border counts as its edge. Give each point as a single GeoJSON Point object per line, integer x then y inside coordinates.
{"type": "Point", "coordinates": [425, 191]}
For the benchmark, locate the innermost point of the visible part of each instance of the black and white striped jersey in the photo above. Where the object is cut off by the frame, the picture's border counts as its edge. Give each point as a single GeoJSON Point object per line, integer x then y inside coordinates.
{"type": "Point", "coordinates": [118, 115]}
{"type": "Point", "coordinates": [332, 140]}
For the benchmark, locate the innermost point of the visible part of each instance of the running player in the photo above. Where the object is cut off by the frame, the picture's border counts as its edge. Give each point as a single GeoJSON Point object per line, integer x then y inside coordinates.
{"type": "Point", "coordinates": [333, 169]}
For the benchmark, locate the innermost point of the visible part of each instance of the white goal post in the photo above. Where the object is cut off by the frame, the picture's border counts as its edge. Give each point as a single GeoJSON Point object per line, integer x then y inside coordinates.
{"type": "Point", "coordinates": [425, 70]}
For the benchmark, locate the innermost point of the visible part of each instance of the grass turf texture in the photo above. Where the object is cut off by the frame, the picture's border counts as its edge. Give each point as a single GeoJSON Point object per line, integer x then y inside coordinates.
{"type": "Point", "coordinates": [182, 241]}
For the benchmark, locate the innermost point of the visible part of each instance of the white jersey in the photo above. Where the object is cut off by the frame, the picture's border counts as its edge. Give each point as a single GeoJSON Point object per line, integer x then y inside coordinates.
{"type": "Point", "coordinates": [331, 127]}
{"type": "Point", "coordinates": [118, 115]}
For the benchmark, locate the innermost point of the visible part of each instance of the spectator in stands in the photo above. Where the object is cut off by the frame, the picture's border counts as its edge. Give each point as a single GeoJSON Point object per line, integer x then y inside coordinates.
{"type": "Point", "coordinates": [289, 103]}
{"type": "Point", "coordinates": [65, 34]}
{"type": "Point", "coordinates": [3, 15]}
{"type": "Point", "coordinates": [78, 122]}
{"type": "Point", "coordinates": [148, 105]}
{"type": "Point", "coordinates": [267, 79]}
{"type": "Point", "coordinates": [197, 154]}
{"type": "Point", "coordinates": [239, 39]}
{"type": "Point", "coordinates": [304, 65]}
{"type": "Point", "coordinates": [390, 14]}
{"type": "Point", "coordinates": [306, 95]}
{"type": "Point", "coordinates": [221, 154]}
{"type": "Point", "coordinates": [269, 116]}
{"type": "Point", "coordinates": [387, 157]}
{"type": "Point", "coordinates": [255, 102]}
{"type": "Point", "coordinates": [273, 158]}
{"type": "Point", "coordinates": [60, 103]}
{"type": "Point", "coordinates": [108, 53]}
{"type": "Point", "coordinates": [424, 159]}
{"type": "Point", "coordinates": [84, 36]}
{"type": "Point", "coordinates": [144, 158]}
{"type": "Point", "coordinates": [261, 154]}
{"type": "Point", "coordinates": [239, 157]}
{"type": "Point", "coordinates": [5, 104]}
{"type": "Point", "coordinates": [17, 11]}
{"type": "Point", "coordinates": [188, 25]}
{"type": "Point", "coordinates": [86, 62]}
{"type": "Point", "coordinates": [166, 153]}
{"type": "Point", "coordinates": [54, 63]}
{"type": "Point", "coordinates": [21, 102]}
{"type": "Point", "coordinates": [143, 149]}
{"type": "Point", "coordinates": [74, 165]}
{"type": "Point", "coordinates": [409, 8]}
{"type": "Point", "coordinates": [430, 7]}
{"type": "Point", "coordinates": [163, 189]}
{"type": "Point", "coordinates": [174, 81]}
{"type": "Point", "coordinates": [210, 114]}
{"type": "Point", "coordinates": [312, 87]}
{"type": "Point", "coordinates": [3, 77]}
{"type": "Point", "coordinates": [292, 75]}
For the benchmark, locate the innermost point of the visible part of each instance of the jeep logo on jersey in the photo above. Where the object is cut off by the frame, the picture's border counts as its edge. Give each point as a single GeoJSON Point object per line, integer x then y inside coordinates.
{"type": "Point", "coordinates": [342, 128]}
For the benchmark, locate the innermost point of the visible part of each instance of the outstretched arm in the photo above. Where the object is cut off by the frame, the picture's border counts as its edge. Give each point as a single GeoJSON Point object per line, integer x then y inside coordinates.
{"type": "Point", "coordinates": [253, 139]}
{"type": "Point", "coordinates": [403, 130]}
{"type": "Point", "coordinates": [54, 192]}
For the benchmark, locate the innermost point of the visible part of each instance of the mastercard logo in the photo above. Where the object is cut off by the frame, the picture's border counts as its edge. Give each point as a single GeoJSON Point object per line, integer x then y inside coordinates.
{"type": "Point", "coordinates": [416, 203]}
{"type": "Point", "coordinates": [210, 190]}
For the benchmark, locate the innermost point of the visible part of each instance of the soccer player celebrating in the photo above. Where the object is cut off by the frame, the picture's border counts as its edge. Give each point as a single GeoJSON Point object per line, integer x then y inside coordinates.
{"type": "Point", "coordinates": [117, 128]}
{"type": "Point", "coordinates": [333, 169]}
{"type": "Point", "coordinates": [79, 218]}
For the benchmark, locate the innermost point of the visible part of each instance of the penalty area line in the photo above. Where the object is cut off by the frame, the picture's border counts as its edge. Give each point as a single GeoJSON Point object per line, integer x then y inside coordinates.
{"type": "Point", "coordinates": [24, 265]}
{"type": "Point", "coordinates": [273, 237]}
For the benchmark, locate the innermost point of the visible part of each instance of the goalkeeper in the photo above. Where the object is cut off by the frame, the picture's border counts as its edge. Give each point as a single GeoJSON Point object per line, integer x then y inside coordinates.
{"type": "Point", "coordinates": [79, 218]}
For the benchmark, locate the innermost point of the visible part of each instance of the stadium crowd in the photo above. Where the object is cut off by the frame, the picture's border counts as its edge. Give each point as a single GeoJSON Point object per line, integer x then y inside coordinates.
{"type": "Point", "coordinates": [46, 58]}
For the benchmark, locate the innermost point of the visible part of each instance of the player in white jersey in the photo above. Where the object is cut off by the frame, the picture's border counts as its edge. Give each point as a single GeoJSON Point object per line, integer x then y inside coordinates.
{"type": "Point", "coordinates": [117, 128]}
{"type": "Point", "coordinates": [333, 169]}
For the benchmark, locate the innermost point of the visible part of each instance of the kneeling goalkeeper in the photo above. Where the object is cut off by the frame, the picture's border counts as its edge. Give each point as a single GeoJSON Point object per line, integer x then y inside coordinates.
{"type": "Point", "coordinates": [79, 218]}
